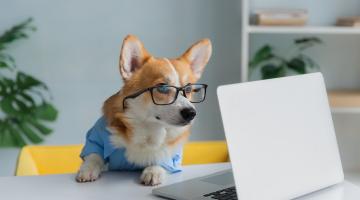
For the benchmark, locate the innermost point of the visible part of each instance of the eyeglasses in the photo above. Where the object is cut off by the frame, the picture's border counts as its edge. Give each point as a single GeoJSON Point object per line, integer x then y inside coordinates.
{"type": "Point", "coordinates": [163, 94]}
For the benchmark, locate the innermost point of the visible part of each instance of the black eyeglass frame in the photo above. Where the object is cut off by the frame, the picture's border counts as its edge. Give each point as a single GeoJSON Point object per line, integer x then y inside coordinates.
{"type": "Point", "coordinates": [178, 89]}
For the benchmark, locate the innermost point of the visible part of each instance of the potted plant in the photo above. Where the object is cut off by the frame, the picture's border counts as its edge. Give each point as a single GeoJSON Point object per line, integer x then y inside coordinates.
{"type": "Point", "coordinates": [25, 101]}
{"type": "Point", "coordinates": [272, 65]}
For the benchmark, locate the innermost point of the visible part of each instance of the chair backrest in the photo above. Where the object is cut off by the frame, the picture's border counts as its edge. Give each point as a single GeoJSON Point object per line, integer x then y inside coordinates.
{"type": "Point", "coordinates": [44, 160]}
{"type": "Point", "coordinates": [205, 152]}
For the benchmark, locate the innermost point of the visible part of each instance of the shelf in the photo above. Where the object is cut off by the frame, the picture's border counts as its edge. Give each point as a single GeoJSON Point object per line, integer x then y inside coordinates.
{"type": "Point", "coordinates": [345, 110]}
{"type": "Point", "coordinates": [303, 30]}
{"type": "Point", "coordinates": [344, 100]}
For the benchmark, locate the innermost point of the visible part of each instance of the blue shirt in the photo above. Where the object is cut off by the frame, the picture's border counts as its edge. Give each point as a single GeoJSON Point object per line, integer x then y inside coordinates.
{"type": "Point", "coordinates": [98, 141]}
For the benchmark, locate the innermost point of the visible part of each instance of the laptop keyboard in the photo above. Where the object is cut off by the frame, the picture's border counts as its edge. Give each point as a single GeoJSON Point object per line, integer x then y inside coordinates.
{"type": "Point", "coordinates": [225, 194]}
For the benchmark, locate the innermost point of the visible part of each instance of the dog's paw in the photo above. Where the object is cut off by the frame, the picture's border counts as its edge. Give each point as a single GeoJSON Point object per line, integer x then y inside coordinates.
{"type": "Point", "coordinates": [88, 174]}
{"type": "Point", "coordinates": [153, 175]}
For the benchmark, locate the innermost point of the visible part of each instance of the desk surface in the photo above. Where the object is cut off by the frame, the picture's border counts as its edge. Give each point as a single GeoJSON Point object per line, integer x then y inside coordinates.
{"type": "Point", "coordinates": [111, 185]}
{"type": "Point", "coordinates": [124, 185]}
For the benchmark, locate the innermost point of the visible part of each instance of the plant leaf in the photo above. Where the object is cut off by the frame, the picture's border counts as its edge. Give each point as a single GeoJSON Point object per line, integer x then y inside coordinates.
{"type": "Point", "coordinates": [46, 112]}
{"type": "Point", "coordinates": [2, 89]}
{"type": "Point", "coordinates": [272, 71]}
{"type": "Point", "coordinates": [25, 81]}
{"type": "Point", "coordinates": [3, 64]}
{"type": "Point", "coordinates": [21, 105]}
{"type": "Point", "coordinates": [14, 107]}
{"type": "Point", "coordinates": [30, 134]}
{"type": "Point", "coordinates": [2, 133]}
{"type": "Point", "coordinates": [7, 106]}
{"type": "Point", "coordinates": [308, 40]}
{"type": "Point", "coordinates": [16, 32]}
{"type": "Point", "coordinates": [310, 62]}
{"type": "Point", "coordinates": [40, 127]}
{"type": "Point", "coordinates": [20, 142]}
{"type": "Point", "coordinates": [7, 139]}
{"type": "Point", "coordinates": [7, 60]}
{"type": "Point", "coordinates": [9, 85]}
{"type": "Point", "coordinates": [28, 98]}
{"type": "Point", "coordinates": [298, 65]}
{"type": "Point", "coordinates": [265, 53]}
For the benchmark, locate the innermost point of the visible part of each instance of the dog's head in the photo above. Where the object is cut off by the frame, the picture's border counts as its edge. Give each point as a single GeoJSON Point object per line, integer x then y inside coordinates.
{"type": "Point", "coordinates": [141, 71]}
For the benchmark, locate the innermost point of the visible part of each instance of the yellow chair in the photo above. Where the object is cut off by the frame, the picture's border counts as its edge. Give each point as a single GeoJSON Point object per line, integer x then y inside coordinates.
{"type": "Point", "coordinates": [42, 160]}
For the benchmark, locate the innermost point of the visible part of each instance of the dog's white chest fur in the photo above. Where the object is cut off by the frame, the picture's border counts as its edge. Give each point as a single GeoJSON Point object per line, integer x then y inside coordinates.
{"type": "Point", "coordinates": [148, 143]}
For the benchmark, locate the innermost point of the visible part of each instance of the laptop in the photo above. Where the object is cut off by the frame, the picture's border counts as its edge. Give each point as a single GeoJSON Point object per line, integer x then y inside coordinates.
{"type": "Point", "coordinates": [281, 142]}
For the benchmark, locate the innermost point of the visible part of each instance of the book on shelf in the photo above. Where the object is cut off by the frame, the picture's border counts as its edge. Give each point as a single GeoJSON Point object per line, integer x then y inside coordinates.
{"type": "Point", "coordinates": [344, 98]}
{"type": "Point", "coordinates": [349, 21]}
{"type": "Point", "coordinates": [281, 17]}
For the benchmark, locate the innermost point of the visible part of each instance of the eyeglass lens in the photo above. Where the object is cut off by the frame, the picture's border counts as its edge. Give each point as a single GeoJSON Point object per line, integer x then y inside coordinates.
{"type": "Point", "coordinates": [165, 94]}
{"type": "Point", "coordinates": [195, 93]}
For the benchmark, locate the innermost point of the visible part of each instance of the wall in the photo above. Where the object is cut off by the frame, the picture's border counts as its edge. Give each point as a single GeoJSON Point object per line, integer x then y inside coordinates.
{"type": "Point", "coordinates": [75, 51]}
{"type": "Point", "coordinates": [76, 48]}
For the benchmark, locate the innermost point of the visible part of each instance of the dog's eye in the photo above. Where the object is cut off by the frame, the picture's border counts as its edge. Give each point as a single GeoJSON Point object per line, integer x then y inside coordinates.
{"type": "Point", "coordinates": [196, 89]}
{"type": "Point", "coordinates": [164, 89]}
{"type": "Point", "coordinates": [188, 89]}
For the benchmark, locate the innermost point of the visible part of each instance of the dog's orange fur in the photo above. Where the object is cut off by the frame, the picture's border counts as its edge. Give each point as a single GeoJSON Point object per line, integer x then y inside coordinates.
{"type": "Point", "coordinates": [152, 72]}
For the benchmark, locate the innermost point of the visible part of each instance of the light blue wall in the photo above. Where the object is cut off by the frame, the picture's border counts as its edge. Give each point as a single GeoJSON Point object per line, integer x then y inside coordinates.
{"type": "Point", "coordinates": [76, 49]}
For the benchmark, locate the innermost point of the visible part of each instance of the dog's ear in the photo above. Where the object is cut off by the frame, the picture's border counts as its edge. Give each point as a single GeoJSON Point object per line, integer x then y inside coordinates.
{"type": "Point", "coordinates": [198, 56]}
{"type": "Point", "coordinates": [132, 56]}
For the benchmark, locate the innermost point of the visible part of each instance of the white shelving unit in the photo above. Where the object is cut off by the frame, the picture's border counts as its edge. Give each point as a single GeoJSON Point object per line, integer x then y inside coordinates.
{"type": "Point", "coordinates": [248, 30]}
{"type": "Point", "coordinates": [343, 102]}
{"type": "Point", "coordinates": [303, 30]}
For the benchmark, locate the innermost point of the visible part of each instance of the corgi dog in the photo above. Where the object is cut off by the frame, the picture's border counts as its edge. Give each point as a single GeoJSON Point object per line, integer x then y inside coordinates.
{"type": "Point", "coordinates": [145, 124]}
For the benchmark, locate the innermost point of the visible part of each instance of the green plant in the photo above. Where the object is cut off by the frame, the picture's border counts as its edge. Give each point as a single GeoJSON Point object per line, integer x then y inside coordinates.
{"type": "Point", "coordinates": [273, 66]}
{"type": "Point", "coordinates": [25, 106]}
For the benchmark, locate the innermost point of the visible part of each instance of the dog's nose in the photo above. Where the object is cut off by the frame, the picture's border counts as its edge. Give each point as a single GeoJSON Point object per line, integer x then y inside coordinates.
{"type": "Point", "coordinates": [188, 114]}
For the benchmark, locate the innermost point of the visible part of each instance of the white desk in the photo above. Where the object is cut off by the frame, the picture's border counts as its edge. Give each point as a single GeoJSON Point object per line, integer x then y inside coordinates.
{"type": "Point", "coordinates": [124, 185]}
{"type": "Point", "coordinates": [111, 185]}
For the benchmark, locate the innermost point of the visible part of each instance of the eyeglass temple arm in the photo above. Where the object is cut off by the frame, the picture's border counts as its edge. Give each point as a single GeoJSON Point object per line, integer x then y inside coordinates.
{"type": "Point", "coordinates": [135, 95]}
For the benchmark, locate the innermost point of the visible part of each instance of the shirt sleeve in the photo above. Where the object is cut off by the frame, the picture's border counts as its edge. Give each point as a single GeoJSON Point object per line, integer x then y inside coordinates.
{"type": "Point", "coordinates": [174, 164]}
{"type": "Point", "coordinates": [94, 144]}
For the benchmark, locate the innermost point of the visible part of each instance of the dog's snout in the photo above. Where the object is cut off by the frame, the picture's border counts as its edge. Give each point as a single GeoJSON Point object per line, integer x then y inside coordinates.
{"type": "Point", "coordinates": [188, 114]}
